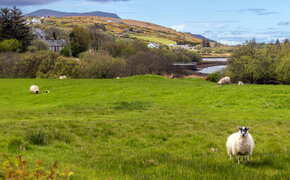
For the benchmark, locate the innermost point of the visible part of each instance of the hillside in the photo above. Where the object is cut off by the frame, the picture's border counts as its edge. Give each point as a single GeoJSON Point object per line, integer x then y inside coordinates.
{"type": "Point", "coordinates": [123, 27]}
{"type": "Point", "coordinates": [47, 12]}
{"type": "Point", "coordinates": [145, 127]}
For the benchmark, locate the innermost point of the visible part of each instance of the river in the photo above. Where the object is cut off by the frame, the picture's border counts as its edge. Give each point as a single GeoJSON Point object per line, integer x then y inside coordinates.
{"type": "Point", "coordinates": [213, 69]}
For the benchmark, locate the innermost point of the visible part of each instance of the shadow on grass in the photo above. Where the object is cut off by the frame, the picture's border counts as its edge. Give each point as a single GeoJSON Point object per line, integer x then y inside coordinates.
{"type": "Point", "coordinates": [130, 106]}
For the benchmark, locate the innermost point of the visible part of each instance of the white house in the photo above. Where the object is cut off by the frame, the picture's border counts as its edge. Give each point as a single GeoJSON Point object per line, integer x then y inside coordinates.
{"type": "Point", "coordinates": [153, 45]}
{"type": "Point", "coordinates": [36, 21]}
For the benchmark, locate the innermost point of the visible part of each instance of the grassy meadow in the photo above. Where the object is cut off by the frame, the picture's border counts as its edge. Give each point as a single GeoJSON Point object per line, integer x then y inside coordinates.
{"type": "Point", "coordinates": [155, 39]}
{"type": "Point", "coordinates": [146, 127]}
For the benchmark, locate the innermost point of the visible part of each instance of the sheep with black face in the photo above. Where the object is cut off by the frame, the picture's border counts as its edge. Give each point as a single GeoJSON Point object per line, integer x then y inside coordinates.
{"type": "Point", "coordinates": [34, 89]}
{"type": "Point", "coordinates": [241, 144]}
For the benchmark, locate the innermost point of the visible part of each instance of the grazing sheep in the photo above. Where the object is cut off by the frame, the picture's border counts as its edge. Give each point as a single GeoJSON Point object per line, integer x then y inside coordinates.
{"type": "Point", "coordinates": [47, 91]}
{"type": "Point", "coordinates": [62, 77]}
{"type": "Point", "coordinates": [225, 80]}
{"type": "Point", "coordinates": [118, 78]}
{"type": "Point", "coordinates": [34, 89]}
{"type": "Point", "coordinates": [240, 143]}
{"type": "Point", "coordinates": [240, 83]}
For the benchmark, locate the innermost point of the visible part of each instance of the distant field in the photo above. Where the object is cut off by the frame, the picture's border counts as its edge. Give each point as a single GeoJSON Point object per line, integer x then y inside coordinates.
{"type": "Point", "coordinates": [147, 127]}
{"type": "Point", "coordinates": [155, 39]}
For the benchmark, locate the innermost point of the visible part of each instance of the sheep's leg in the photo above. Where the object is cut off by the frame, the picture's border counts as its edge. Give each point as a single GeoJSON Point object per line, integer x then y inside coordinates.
{"type": "Point", "coordinates": [239, 159]}
{"type": "Point", "coordinates": [244, 159]}
{"type": "Point", "coordinates": [248, 158]}
{"type": "Point", "coordinates": [230, 157]}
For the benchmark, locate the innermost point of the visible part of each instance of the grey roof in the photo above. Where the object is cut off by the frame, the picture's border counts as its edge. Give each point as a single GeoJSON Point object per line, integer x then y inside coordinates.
{"type": "Point", "coordinates": [39, 33]}
{"type": "Point", "coordinates": [56, 43]}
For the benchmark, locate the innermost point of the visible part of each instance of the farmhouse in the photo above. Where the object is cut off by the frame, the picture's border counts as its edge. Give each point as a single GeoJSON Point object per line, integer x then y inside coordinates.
{"type": "Point", "coordinates": [153, 45]}
{"type": "Point", "coordinates": [36, 21]}
{"type": "Point", "coordinates": [56, 45]}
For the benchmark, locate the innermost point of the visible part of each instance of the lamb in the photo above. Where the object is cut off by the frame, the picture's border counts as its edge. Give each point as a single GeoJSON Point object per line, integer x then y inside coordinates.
{"type": "Point", "coordinates": [240, 143]}
{"type": "Point", "coordinates": [240, 83]}
{"type": "Point", "coordinates": [225, 80]}
{"type": "Point", "coordinates": [62, 77]}
{"type": "Point", "coordinates": [34, 89]}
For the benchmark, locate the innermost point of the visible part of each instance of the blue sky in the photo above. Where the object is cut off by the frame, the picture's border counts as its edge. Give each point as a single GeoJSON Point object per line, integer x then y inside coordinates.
{"type": "Point", "coordinates": [227, 21]}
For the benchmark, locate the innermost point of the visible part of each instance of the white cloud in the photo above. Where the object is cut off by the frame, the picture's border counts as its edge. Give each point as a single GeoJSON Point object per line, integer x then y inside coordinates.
{"type": "Point", "coordinates": [231, 43]}
{"type": "Point", "coordinates": [179, 27]}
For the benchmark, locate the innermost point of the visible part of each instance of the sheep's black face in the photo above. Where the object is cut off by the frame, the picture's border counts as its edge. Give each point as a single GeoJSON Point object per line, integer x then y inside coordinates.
{"type": "Point", "coordinates": [243, 131]}
{"type": "Point", "coordinates": [36, 92]}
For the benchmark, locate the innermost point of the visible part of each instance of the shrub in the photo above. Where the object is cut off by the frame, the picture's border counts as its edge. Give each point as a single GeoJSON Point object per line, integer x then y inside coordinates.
{"type": "Point", "coordinates": [102, 65]}
{"type": "Point", "coordinates": [35, 137]}
{"type": "Point", "coordinates": [148, 62]}
{"type": "Point", "coordinates": [65, 52]}
{"type": "Point", "coordinates": [38, 45]}
{"type": "Point", "coordinates": [216, 76]}
{"type": "Point", "coordinates": [17, 169]}
{"type": "Point", "coordinates": [283, 70]}
{"type": "Point", "coordinates": [259, 63]}
{"type": "Point", "coordinates": [10, 45]}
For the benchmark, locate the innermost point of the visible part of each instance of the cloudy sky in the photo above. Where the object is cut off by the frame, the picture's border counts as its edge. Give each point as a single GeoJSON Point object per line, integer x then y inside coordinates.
{"type": "Point", "coordinates": [227, 21]}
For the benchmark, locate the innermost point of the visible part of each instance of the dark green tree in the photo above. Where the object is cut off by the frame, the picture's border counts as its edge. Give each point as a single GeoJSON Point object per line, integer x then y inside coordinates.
{"type": "Point", "coordinates": [13, 26]}
{"type": "Point", "coordinates": [79, 40]}
{"type": "Point", "coordinates": [205, 43]}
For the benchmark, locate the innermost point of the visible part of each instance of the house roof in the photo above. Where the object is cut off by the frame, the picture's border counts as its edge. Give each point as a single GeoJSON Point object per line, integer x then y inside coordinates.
{"type": "Point", "coordinates": [55, 43]}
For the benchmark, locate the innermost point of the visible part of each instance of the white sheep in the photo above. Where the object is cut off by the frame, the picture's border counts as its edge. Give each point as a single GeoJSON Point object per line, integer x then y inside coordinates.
{"type": "Point", "coordinates": [225, 80]}
{"type": "Point", "coordinates": [34, 89]}
{"type": "Point", "coordinates": [240, 143]}
{"type": "Point", "coordinates": [240, 83]}
{"type": "Point", "coordinates": [62, 77]}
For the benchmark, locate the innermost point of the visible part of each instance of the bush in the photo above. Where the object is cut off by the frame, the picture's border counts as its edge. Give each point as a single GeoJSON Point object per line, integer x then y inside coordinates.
{"type": "Point", "coordinates": [283, 70]}
{"type": "Point", "coordinates": [65, 52]}
{"type": "Point", "coordinates": [17, 169]}
{"type": "Point", "coordinates": [38, 45]}
{"type": "Point", "coordinates": [148, 62]}
{"type": "Point", "coordinates": [259, 63]}
{"type": "Point", "coordinates": [10, 45]}
{"type": "Point", "coordinates": [35, 137]}
{"type": "Point", "coordinates": [102, 65]}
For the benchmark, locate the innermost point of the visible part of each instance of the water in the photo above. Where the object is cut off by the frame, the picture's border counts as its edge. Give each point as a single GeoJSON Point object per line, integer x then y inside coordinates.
{"type": "Point", "coordinates": [212, 69]}
{"type": "Point", "coordinates": [215, 59]}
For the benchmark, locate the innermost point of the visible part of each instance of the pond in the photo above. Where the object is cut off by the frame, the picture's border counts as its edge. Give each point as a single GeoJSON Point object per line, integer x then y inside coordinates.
{"type": "Point", "coordinates": [212, 69]}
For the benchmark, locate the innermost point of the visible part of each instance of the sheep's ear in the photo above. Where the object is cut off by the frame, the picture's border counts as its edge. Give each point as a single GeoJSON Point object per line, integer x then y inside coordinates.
{"type": "Point", "coordinates": [238, 127]}
{"type": "Point", "coordinates": [249, 128]}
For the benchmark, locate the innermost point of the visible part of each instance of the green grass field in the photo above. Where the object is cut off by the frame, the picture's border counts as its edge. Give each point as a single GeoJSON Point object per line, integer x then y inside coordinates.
{"type": "Point", "coordinates": [155, 39]}
{"type": "Point", "coordinates": [147, 127]}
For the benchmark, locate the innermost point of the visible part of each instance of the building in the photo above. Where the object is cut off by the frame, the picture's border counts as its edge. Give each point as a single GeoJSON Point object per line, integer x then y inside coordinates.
{"type": "Point", "coordinates": [56, 45]}
{"type": "Point", "coordinates": [153, 45]}
{"type": "Point", "coordinates": [36, 21]}
{"type": "Point", "coordinates": [39, 34]}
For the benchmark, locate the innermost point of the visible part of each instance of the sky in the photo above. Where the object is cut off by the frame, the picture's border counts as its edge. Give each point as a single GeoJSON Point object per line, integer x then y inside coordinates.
{"type": "Point", "coordinates": [227, 21]}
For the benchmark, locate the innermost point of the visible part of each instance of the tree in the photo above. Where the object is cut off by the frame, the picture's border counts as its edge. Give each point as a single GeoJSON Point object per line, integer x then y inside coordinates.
{"type": "Point", "coordinates": [277, 43]}
{"type": "Point", "coordinates": [13, 26]}
{"type": "Point", "coordinates": [286, 41]}
{"type": "Point", "coordinates": [205, 43]}
{"type": "Point", "coordinates": [79, 39]}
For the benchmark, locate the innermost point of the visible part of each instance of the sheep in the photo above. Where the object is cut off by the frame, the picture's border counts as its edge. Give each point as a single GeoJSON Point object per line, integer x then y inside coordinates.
{"type": "Point", "coordinates": [62, 77]}
{"type": "Point", "coordinates": [34, 89]}
{"type": "Point", "coordinates": [240, 143]}
{"type": "Point", "coordinates": [225, 80]}
{"type": "Point", "coordinates": [240, 83]}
